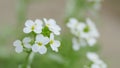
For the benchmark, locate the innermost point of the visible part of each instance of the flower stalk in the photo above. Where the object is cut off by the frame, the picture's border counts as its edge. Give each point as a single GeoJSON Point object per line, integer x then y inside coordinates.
{"type": "Point", "coordinates": [29, 60]}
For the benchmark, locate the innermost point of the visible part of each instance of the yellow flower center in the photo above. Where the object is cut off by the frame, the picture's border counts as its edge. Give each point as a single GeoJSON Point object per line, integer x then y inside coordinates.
{"type": "Point", "coordinates": [39, 43]}
{"type": "Point", "coordinates": [51, 41]}
{"type": "Point", "coordinates": [33, 27]}
{"type": "Point", "coordinates": [47, 25]}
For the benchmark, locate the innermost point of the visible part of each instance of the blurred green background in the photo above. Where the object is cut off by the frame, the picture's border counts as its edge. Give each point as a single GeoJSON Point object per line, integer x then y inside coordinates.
{"type": "Point", "coordinates": [108, 27]}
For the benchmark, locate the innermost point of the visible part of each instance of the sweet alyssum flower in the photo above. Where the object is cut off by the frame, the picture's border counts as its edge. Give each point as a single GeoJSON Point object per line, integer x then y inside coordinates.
{"type": "Point", "coordinates": [44, 32]}
{"type": "Point", "coordinates": [40, 43]}
{"type": "Point", "coordinates": [20, 44]}
{"type": "Point", "coordinates": [53, 27]}
{"type": "Point", "coordinates": [27, 41]}
{"type": "Point", "coordinates": [75, 26]}
{"type": "Point", "coordinates": [97, 62]}
{"type": "Point", "coordinates": [54, 43]}
{"type": "Point", "coordinates": [33, 26]}
{"type": "Point", "coordinates": [84, 32]}
{"type": "Point", "coordinates": [90, 32]}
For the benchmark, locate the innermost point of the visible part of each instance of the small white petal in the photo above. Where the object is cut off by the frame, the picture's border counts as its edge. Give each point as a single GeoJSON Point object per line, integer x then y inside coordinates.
{"type": "Point", "coordinates": [27, 30]}
{"type": "Point", "coordinates": [57, 43]}
{"type": "Point", "coordinates": [29, 23]}
{"type": "Point", "coordinates": [17, 43]}
{"type": "Point", "coordinates": [35, 48]}
{"type": "Point", "coordinates": [73, 20]}
{"type": "Point", "coordinates": [39, 38]}
{"type": "Point", "coordinates": [52, 21]}
{"type": "Point", "coordinates": [19, 49]}
{"type": "Point", "coordinates": [54, 48]}
{"type": "Point", "coordinates": [42, 49]}
{"type": "Point", "coordinates": [38, 22]}
{"type": "Point", "coordinates": [51, 36]}
{"type": "Point", "coordinates": [57, 27]}
{"type": "Point", "coordinates": [38, 29]}
{"type": "Point", "coordinates": [27, 40]}
{"type": "Point", "coordinates": [54, 30]}
{"type": "Point", "coordinates": [72, 23]}
{"type": "Point", "coordinates": [81, 26]}
{"type": "Point", "coordinates": [45, 20]}
{"type": "Point", "coordinates": [91, 41]}
{"type": "Point", "coordinates": [42, 39]}
{"type": "Point", "coordinates": [95, 66]}
{"type": "Point", "coordinates": [27, 45]}
{"type": "Point", "coordinates": [46, 40]}
{"type": "Point", "coordinates": [92, 56]}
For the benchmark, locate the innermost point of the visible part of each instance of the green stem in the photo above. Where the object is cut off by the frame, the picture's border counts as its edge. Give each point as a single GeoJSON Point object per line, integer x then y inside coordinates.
{"type": "Point", "coordinates": [29, 60]}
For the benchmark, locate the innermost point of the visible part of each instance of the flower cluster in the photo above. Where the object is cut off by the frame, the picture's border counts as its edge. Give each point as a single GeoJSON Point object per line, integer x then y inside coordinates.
{"type": "Point", "coordinates": [97, 62]}
{"type": "Point", "coordinates": [43, 32]}
{"type": "Point", "coordinates": [85, 33]}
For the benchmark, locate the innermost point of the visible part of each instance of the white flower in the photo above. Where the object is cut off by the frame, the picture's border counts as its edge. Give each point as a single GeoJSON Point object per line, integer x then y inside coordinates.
{"type": "Point", "coordinates": [101, 64]}
{"type": "Point", "coordinates": [18, 46]}
{"type": "Point", "coordinates": [97, 62]}
{"type": "Point", "coordinates": [75, 26]}
{"type": "Point", "coordinates": [26, 42]}
{"type": "Point", "coordinates": [91, 41]}
{"type": "Point", "coordinates": [90, 32]}
{"type": "Point", "coordinates": [93, 30]}
{"type": "Point", "coordinates": [72, 23]}
{"type": "Point", "coordinates": [54, 43]}
{"type": "Point", "coordinates": [33, 26]}
{"type": "Point", "coordinates": [40, 43]}
{"type": "Point", "coordinates": [92, 56]}
{"type": "Point", "coordinates": [51, 24]}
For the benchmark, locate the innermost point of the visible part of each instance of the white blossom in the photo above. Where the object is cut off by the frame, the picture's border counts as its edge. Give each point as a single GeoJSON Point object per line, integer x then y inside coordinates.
{"type": "Point", "coordinates": [90, 32]}
{"type": "Point", "coordinates": [75, 26]}
{"type": "Point", "coordinates": [83, 31]}
{"type": "Point", "coordinates": [92, 56]}
{"type": "Point", "coordinates": [26, 42]}
{"type": "Point", "coordinates": [54, 43]}
{"type": "Point", "coordinates": [53, 27]}
{"type": "Point", "coordinates": [18, 46]}
{"type": "Point", "coordinates": [33, 26]}
{"type": "Point", "coordinates": [40, 43]}
{"type": "Point", "coordinates": [91, 41]}
{"type": "Point", "coordinates": [72, 23]}
{"type": "Point", "coordinates": [97, 62]}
